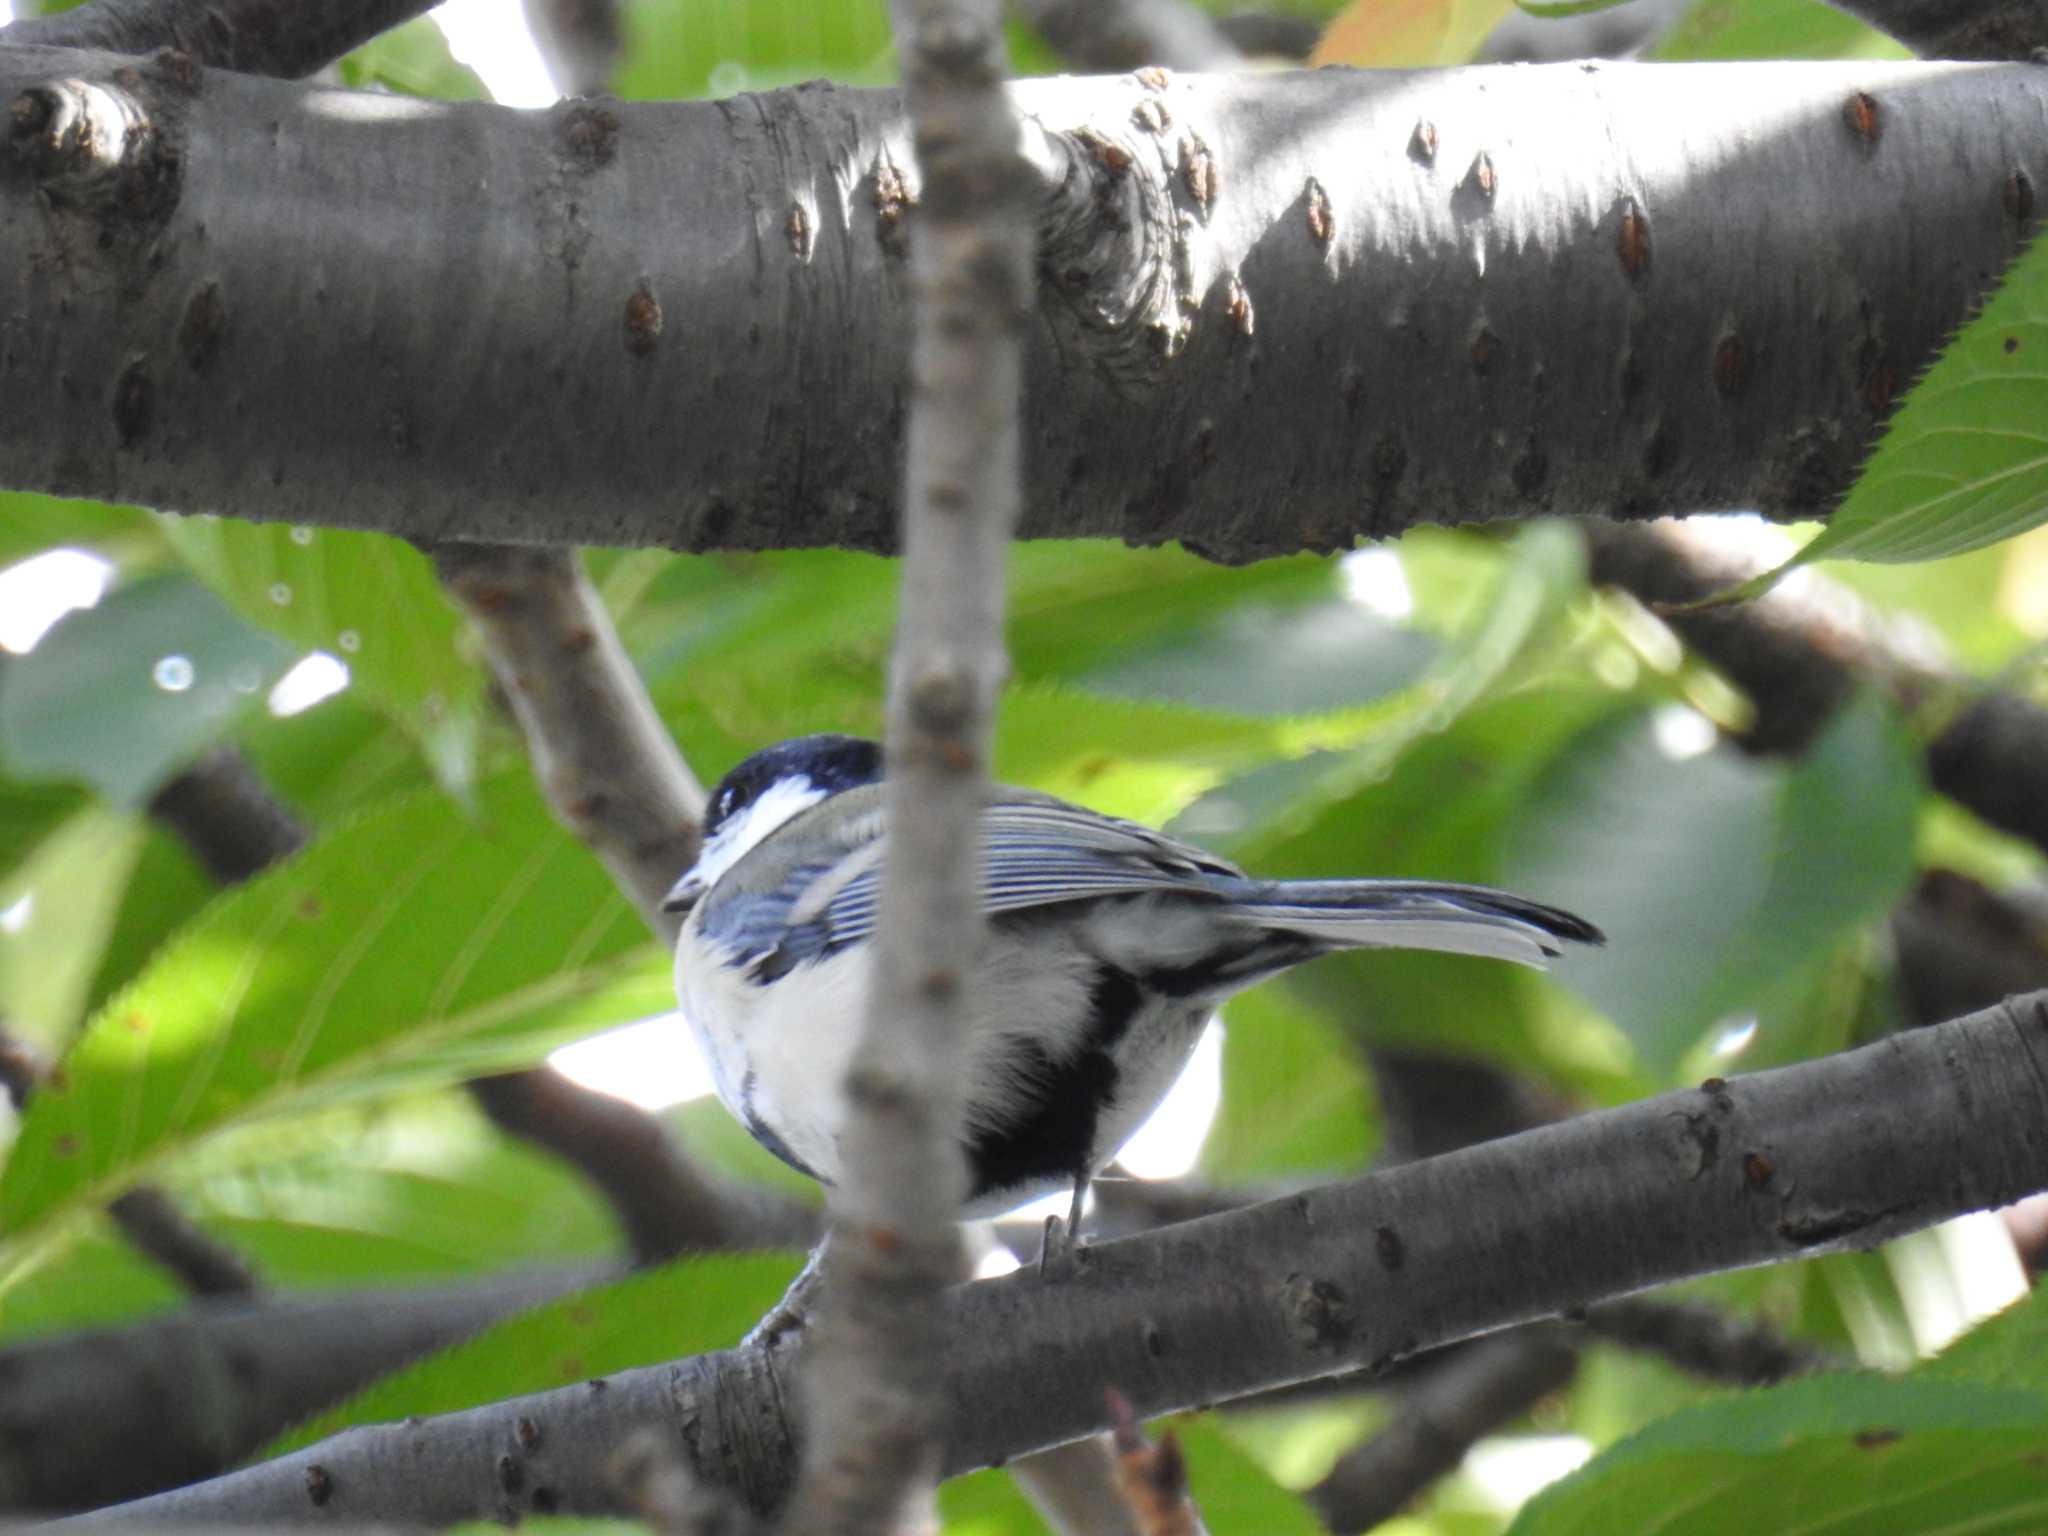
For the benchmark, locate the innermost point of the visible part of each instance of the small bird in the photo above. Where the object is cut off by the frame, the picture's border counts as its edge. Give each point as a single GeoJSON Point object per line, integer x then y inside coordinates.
{"type": "Point", "coordinates": [1108, 948]}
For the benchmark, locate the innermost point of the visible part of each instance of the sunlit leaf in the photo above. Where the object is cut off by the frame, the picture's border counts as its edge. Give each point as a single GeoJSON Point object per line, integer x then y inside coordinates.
{"type": "Point", "coordinates": [370, 600]}
{"type": "Point", "coordinates": [682, 48]}
{"type": "Point", "coordinates": [410, 946]}
{"type": "Point", "coordinates": [30, 524]}
{"type": "Point", "coordinates": [683, 1308]}
{"type": "Point", "coordinates": [1774, 29]}
{"type": "Point", "coordinates": [413, 60]}
{"type": "Point", "coordinates": [1380, 34]}
{"type": "Point", "coordinates": [122, 695]}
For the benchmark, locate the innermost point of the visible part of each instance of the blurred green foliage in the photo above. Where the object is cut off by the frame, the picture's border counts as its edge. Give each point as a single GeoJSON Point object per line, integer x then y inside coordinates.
{"type": "Point", "coordinates": [282, 1057]}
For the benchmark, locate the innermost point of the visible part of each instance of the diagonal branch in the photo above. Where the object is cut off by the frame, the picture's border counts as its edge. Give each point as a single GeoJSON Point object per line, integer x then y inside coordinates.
{"type": "Point", "coordinates": [1853, 1150]}
{"type": "Point", "coordinates": [285, 38]}
{"type": "Point", "coordinates": [1247, 281]}
{"type": "Point", "coordinates": [610, 771]}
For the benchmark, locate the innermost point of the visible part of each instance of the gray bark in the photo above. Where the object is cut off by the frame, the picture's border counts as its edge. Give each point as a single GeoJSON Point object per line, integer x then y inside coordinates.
{"type": "Point", "coordinates": [872, 1376]}
{"type": "Point", "coordinates": [118, 1413]}
{"type": "Point", "coordinates": [285, 38]}
{"type": "Point", "coordinates": [1846, 1151]}
{"type": "Point", "coordinates": [1275, 312]}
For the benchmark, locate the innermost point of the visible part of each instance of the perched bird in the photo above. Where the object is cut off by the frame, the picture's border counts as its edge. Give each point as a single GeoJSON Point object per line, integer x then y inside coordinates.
{"type": "Point", "coordinates": [1109, 946]}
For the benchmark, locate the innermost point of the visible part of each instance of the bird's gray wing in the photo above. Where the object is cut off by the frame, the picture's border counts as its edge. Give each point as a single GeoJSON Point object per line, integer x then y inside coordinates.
{"type": "Point", "coordinates": [1038, 852]}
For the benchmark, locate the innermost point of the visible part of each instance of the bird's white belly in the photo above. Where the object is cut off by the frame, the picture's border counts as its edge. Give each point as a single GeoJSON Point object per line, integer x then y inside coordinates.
{"type": "Point", "coordinates": [774, 1065]}
{"type": "Point", "coordinates": [779, 1053]}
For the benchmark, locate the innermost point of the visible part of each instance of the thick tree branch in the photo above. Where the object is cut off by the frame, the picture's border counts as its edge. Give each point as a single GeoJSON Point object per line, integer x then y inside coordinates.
{"type": "Point", "coordinates": [258, 37]}
{"type": "Point", "coordinates": [1272, 307]}
{"type": "Point", "coordinates": [872, 1375]}
{"type": "Point", "coordinates": [1851, 1150]}
{"type": "Point", "coordinates": [122, 1412]}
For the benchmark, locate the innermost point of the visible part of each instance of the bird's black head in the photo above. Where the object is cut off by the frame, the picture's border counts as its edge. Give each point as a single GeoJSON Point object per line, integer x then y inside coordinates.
{"type": "Point", "coordinates": [829, 764]}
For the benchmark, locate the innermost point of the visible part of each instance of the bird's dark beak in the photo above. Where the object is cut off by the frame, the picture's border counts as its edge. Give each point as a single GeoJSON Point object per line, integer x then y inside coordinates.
{"type": "Point", "coordinates": [684, 894]}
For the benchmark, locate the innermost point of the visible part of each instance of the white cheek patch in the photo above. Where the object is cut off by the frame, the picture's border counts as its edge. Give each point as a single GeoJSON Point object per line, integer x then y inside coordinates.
{"type": "Point", "coordinates": [742, 833]}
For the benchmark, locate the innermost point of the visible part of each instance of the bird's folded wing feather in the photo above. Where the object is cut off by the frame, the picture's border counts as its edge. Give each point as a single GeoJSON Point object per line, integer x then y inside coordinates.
{"type": "Point", "coordinates": [1036, 852]}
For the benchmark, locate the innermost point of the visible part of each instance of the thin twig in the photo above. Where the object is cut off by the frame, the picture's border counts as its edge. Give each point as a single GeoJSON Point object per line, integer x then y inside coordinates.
{"type": "Point", "coordinates": [1152, 1480]}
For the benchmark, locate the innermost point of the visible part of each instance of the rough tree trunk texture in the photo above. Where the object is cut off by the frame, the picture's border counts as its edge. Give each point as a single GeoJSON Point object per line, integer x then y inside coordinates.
{"type": "Point", "coordinates": [1847, 1151]}
{"type": "Point", "coordinates": [1275, 311]}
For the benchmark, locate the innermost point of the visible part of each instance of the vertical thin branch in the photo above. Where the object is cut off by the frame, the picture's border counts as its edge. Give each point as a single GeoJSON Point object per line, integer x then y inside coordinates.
{"type": "Point", "coordinates": [873, 1378]}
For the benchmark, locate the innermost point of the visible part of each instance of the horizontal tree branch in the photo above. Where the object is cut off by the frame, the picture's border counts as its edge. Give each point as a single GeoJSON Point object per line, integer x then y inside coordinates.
{"type": "Point", "coordinates": [259, 37]}
{"type": "Point", "coordinates": [1276, 311]}
{"type": "Point", "coordinates": [121, 1412]}
{"type": "Point", "coordinates": [1846, 1151]}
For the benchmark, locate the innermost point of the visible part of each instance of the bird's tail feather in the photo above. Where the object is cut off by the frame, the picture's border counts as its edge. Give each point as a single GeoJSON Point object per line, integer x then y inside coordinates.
{"type": "Point", "coordinates": [1415, 914]}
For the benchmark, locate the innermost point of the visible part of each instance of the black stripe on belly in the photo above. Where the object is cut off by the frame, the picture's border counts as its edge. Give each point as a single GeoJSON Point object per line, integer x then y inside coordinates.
{"type": "Point", "coordinates": [1054, 1138]}
{"type": "Point", "coordinates": [765, 1134]}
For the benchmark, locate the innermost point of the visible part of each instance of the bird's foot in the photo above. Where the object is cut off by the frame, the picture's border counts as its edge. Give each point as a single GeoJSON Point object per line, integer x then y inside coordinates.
{"type": "Point", "coordinates": [1061, 1251]}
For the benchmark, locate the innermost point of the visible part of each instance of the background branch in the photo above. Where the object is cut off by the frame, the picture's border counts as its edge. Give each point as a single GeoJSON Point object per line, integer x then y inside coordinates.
{"type": "Point", "coordinates": [1863, 1146]}
{"type": "Point", "coordinates": [257, 37]}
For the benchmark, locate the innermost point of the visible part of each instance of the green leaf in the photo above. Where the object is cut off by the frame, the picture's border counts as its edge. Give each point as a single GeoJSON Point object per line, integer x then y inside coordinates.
{"type": "Point", "coordinates": [1965, 462]}
{"type": "Point", "coordinates": [1774, 29]}
{"type": "Point", "coordinates": [369, 599]}
{"type": "Point", "coordinates": [31, 524]}
{"type": "Point", "coordinates": [1518, 614]}
{"type": "Point", "coordinates": [409, 947]}
{"type": "Point", "coordinates": [1953, 1445]}
{"type": "Point", "coordinates": [1441, 813]}
{"type": "Point", "coordinates": [1716, 877]}
{"type": "Point", "coordinates": [1296, 1096]}
{"type": "Point", "coordinates": [683, 1308]}
{"type": "Point", "coordinates": [413, 60]}
{"type": "Point", "coordinates": [124, 694]}
{"type": "Point", "coordinates": [63, 902]}
{"type": "Point", "coordinates": [1233, 1492]}
{"type": "Point", "coordinates": [165, 887]}
{"type": "Point", "coordinates": [1259, 660]}
{"type": "Point", "coordinates": [684, 48]}
{"type": "Point", "coordinates": [1564, 9]}
{"type": "Point", "coordinates": [30, 814]}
